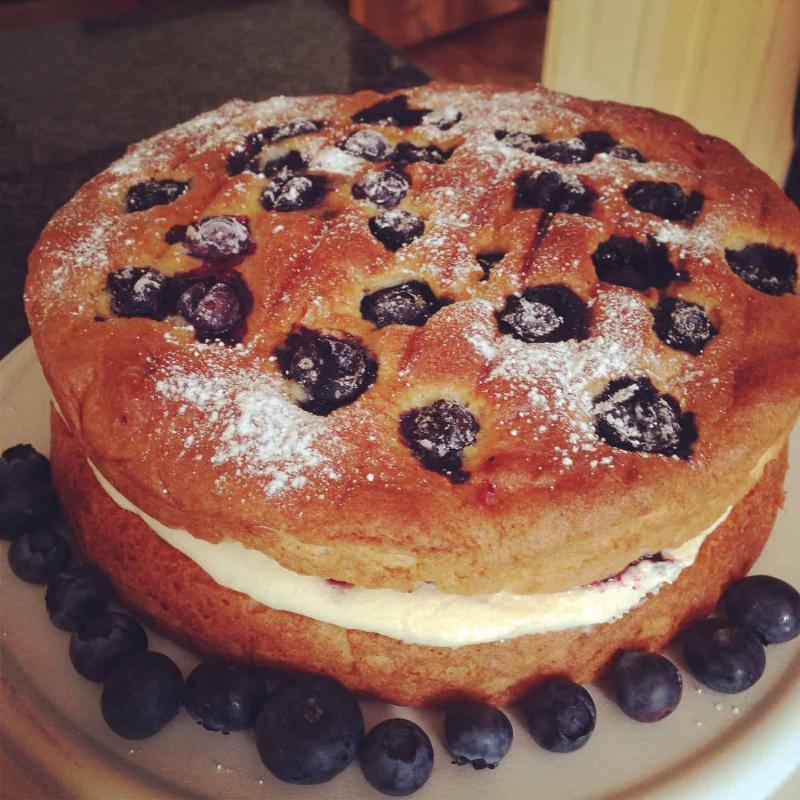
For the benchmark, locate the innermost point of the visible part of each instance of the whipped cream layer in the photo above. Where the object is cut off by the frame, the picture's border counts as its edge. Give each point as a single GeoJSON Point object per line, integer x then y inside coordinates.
{"type": "Point", "coordinates": [425, 616]}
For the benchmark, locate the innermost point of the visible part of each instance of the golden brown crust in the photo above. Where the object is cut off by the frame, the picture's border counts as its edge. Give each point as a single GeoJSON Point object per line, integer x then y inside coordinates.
{"type": "Point", "coordinates": [176, 595]}
{"type": "Point", "coordinates": [548, 504]}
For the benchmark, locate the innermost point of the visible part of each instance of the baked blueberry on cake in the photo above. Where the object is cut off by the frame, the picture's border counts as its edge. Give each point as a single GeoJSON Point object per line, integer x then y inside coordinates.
{"type": "Point", "coordinates": [438, 393]}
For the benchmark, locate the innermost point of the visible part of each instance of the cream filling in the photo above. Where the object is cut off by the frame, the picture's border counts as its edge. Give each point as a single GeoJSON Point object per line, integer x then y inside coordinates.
{"type": "Point", "coordinates": [424, 616]}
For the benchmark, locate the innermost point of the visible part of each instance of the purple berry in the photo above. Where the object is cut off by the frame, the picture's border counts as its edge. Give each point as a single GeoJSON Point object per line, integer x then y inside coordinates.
{"type": "Point", "coordinates": [368, 145]}
{"type": "Point", "coordinates": [411, 303]}
{"type": "Point", "coordinates": [629, 262]}
{"type": "Point", "coordinates": [154, 192]}
{"type": "Point", "coordinates": [444, 119]}
{"type": "Point", "coordinates": [437, 435]}
{"type": "Point", "coordinates": [288, 192]}
{"type": "Point", "coordinates": [627, 154]}
{"type": "Point", "coordinates": [245, 157]}
{"type": "Point", "coordinates": [212, 307]}
{"type": "Point", "coordinates": [408, 153]}
{"type": "Point", "coordinates": [37, 556]}
{"type": "Point", "coordinates": [723, 656]}
{"type": "Point", "coordinates": [550, 313]}
{"type": "Point", "coordinates": [648, 687]}
{"type": "Point", "coordinates": [27, 498]}
{"type": "Point", "coordinates": [104, 641]}
{"type": "Point", "coordinates": [396, 228]}
{"type": "Point", "coordinates": [292, 161]}
{"type": "Point", "coordinates": [77, 594]}
{"type": "Point", "coordinates": [561, 715]}
{"type": "Point", "coordinates": [139, 292]}
{"type": "Point", "coordinates": [385, 188]}
{"type": "Point", "coordinates": [391, 111]}
{"type": "Point", "coordinates": [683, 325]}
{"type": "Point", "coordinates": [397, 757]}
{"type": "Point", "coordinates": [478, 734]}
{"type": "Point", "coordinates": [767, 269]}
{"type": "Point", "coordinates": [766, 605]}
{"type": "Point", "coordinates": [549, 191]}
{"type": "Point", "coordinates": [528, 142]}
{"type": "Point", "coordinates": [294, 127]}
{"type": "Point", "coordinates": [332, 370]}
{"type": "Point", "coordinates": [598, 141]}
{"type": "Point", "coordinates": [218, 238]}
{"type": "Point", "coordinates": [632, 415]}
{"type": "Point", "coordinates": [666, 200]}
{"type": "Point", "coordinates": [142, 694]}
{"type": "Point", "coordinates": [565, 151]}
{"type": "Point", "coordinates": [309, 732]}
{"type": "Point", "coordinates": [224, 697]}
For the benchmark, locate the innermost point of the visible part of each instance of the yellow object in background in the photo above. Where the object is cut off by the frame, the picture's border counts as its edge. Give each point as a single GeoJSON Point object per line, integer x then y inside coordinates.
{"type": "Point", "coordinates": [730, 67]}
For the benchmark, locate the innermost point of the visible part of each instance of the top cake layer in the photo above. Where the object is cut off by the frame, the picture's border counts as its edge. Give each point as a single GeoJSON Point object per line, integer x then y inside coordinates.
{"type": "Point", "coordinates": [482, 338]}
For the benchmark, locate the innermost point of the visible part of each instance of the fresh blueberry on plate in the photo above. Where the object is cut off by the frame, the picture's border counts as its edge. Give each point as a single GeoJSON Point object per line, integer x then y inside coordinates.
{"type": "Point", "coordinates": [76, 595]}
{"type": "Point", "coordinates": [27, 497]}
{"type": "Point", "coordinates": [38, 556]}
{"type": "Point", "coordinates": [310, 731]}
{"type": "Point", "coordinates": [397, 757]}
{"type": "Point", "coordinates": [142, 694]}
{"type": "Point", "coordinates": [104, 641]}
{"type": "Point", "coordinates": [647, 686]}
{"type": "Point", "coordinates": [724, 656]}
{"type": "Point", "coordinates": [766, 605]}
{"type": "Point", "coordinates": [478, 734]}
{"type": "Point", "coordinates": [561, 715]}
{"type": "Point", "coordinates": [223, 697]}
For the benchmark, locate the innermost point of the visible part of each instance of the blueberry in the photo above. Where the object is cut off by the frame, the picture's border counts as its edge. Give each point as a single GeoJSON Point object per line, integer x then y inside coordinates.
{"type": "Point", "coordinates": [392, 111]}
{"type": "Point", "coordinates": [397, 757]}
{"type": "Point", "coordinates": [565, 151]}
{"type": "Point", "coordinates": [396, 228]}
{"type": "Point", "coordinates": [629, 262]}
{"type": "Point", "coordinates": [368, 145]}
{"type": "Point", "coordinates": [487, 261]}
{"type": "Point", "coordinates": [154, 192]}
{"type": "Point", "coordinates": [212, 307]}
{"type": "Point", "coordinates": [27, 497]}
{"type": "Point", "coordinates": [142, 694]}
{"type": "Point", "coordinates": [561, 715]}
{"type": "Point", "coordinates": [766, 605]}
{"type": "Point", "coordinates": [408, 153]}
{"type": "Point", "coordinates": [245, 157]}
{"type": "Point", "coordinates": [410, 303]}
{"type": "Point", "coordinates": [437, 435]}
{"type": "Point", "coordinates": [77, 594]}
{"type": "Point", "coordinates": [102, 642]}
{"type": "Point", "coordinates": [768, 269]}
{"type": "Point", "coordinates": [444, 119]}
{"type": "Point", "coordinates": [218, 238]}
{"type": "Point", "coordinates": [139, 292]}
{"type": "Point", "coordinates": [292, 161]}
{"type": "Point", "coordinates": [724, 656]}
{"type": "Point", "coordinates": [288, 192]}
{"type": "Point", "coordinates": [223, 697]}
{"type": "Point", "coordinates": [332, 370]}
{"type": "Point", "coordinates": [385, 188]}
{"type": "Point", "coordinates": [477, 734]}
{"type": "Point", "coordinates": [598, 141]}
{"type": "Point", "coordinates": [549, 191]}
{"type": "Point", "coordinates": [666, 200]}
{"type": "Point", "coordinates": [627, 154]}
{"type": "Point", "coordinates": [37, 556]}
{"type": "Point", "coordinates": [295, 127]}
{"type": "Point", "coordinates": [632, 415]}
{"type": "Point", "coordinates": [549, 313]}
{"type": "Point", "coordinates": [529, 142]}
{"type": "Point", "coordinates": [647, 686]}
{"type": "Point", "coordinates": [310, 731]}
{"type": "Point", "coordinates": [683, 325]}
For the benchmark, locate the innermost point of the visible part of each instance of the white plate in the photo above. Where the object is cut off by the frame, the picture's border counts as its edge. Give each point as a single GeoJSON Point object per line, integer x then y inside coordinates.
{"type": "Point", "coordinates": [713, 746]}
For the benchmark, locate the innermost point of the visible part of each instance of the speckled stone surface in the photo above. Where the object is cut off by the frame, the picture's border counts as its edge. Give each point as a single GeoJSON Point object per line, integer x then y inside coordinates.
{"type": "Point", "coordinates": [73, 96]}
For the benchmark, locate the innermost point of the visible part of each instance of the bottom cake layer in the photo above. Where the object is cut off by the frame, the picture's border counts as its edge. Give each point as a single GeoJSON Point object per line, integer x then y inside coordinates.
{"type": "Point", "coordinates": [179, 598]}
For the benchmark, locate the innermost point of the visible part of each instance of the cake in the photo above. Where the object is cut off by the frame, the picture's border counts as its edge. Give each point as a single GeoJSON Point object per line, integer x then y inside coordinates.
{"type": "Point", "coordinates": [438, 393]}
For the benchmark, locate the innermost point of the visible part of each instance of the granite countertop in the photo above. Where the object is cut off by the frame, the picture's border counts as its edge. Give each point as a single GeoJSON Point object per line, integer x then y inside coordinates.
{"type": "Point", "coordinates": [75, 95]}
